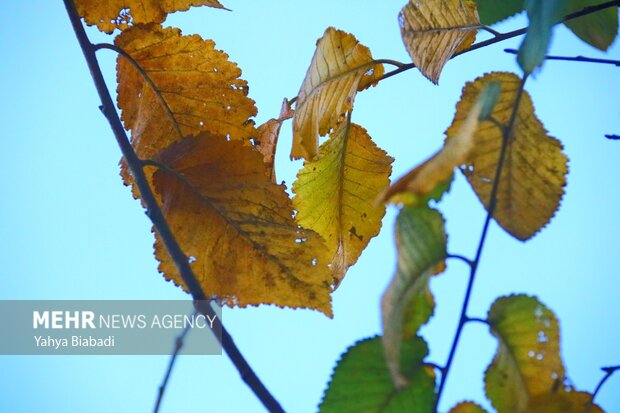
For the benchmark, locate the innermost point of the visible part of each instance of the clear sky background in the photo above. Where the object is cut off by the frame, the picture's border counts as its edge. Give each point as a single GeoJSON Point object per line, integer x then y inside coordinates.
{"type": "Point", "coordinates": [69, 229]}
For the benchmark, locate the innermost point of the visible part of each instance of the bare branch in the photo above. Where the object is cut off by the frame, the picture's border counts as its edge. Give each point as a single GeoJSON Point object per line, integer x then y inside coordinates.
{"type": "Point", "coordinates": [574, 59]}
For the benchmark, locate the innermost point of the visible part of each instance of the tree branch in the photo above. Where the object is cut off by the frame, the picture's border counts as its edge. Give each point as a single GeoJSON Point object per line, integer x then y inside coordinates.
{"type": "Point", "coordinates": [474, 267]}
{"type": "Point", "coordinates": [609, 371]}
{"type": "Point", "coordinates": [159, 222]}
{"type": "Point", "coordinates": [574, 59]}
{"type": "Point", "coordinates": [500, 37]}
{"type": "Point", "coordinates": [178, 345]}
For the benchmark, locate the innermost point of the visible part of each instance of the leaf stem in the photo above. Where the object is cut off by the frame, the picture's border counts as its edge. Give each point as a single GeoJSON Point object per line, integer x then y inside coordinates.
{"type": "Point", "coordinates": [609, 371]}
{"type": "Point", "coordinates": [474, 267]}
{"type": "Point", "coordinates": [178, 345]}
{"type": "Point", "coordinates": [500, 37]}
{"type": "Point", "coordinates": [159, 222]}
{"type": "Point", "coordinates": [574, 59]}
{"type": "Point", "coordinates": [460, 258]}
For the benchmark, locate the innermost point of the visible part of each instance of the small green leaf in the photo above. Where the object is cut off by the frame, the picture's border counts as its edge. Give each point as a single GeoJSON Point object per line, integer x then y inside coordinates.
{"type": "Point", "coordinates": [488, 98]}
{"type": "Point", "coordinates": [361, 381]}
{"type": "Point", "coordinates": [493, 11]}
{"type": "Point", "coordinates": [543, 15]}
{"type": "Point", "coordinates": [597, 29]}
{"type": "Point", "coordinates": [408, 303]}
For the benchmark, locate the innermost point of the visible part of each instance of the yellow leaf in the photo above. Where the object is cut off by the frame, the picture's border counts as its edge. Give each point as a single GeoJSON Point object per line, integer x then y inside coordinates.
{"type": "Point", "coordinates": [340, 67]}
{"type": "Point", "coordinates": [534, 171]}
{"type": "Point", "coordinates": [238, 228]}
{"type": "Point", "coordinates": [196, 89]}
{"type": "Point", "coordinates": [467, 407]}
{"type": "Point", "coordinates": [434, 30]}
{"type": "Point", "coordinates": [527, 364]}
{"type": "Point", "coordinates": [120, 14]}
{"type": "Point", "coordinates": [267, 137]}
{"type": "Point", "coordinates": [335, 194]}
{"type": "Point", "coordinates": [564, 401]}
{"type": "Point", "coordinates": [424, 178]}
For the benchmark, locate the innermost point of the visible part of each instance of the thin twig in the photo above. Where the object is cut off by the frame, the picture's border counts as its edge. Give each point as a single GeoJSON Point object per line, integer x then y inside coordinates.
{"type": "Point", "coordinates": [460, 258]}
{"type": "Point", "coordinates": [609, 371]}
{"type": "Point", "coordinates": [500, 37]}
{"type": "Point", "coordinates": [178, 345]}
{"type": "Point", "coordinates": [574, 59]}
{"type": "Point", "coordinates": [613, 137]}
{"type": "Point", "coordinates": [476, 320]}
{"type": "Point", "coordinates": [201, 301]}
{"type": "Point", "coordinates": [490, 209]}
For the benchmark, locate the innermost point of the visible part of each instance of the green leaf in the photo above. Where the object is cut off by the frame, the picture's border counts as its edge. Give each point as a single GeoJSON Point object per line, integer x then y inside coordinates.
{"type": "Point", "coordinates": [527, 365]}
{"type": "Point", "coordinates": [543, 15]}
{"type": "Point", "coordinates": [493, 11]}
{"type": "Point", "coordinates": [597, 29]}
{"type": "Point", "coordinates": [361, 382]}
{"type": "Point", "coordinates": [408, 303]}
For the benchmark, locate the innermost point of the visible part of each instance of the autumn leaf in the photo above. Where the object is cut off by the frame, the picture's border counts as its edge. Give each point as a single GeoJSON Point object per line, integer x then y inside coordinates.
{"type": "Point", "coordinates": [267, 137]}
{"type": "Point", "coordinates": [434, 30]}
{"type": "Point", "coordinates": [493, 11]}
{"type": "Point", "coordinates": [408, 303]}
{"type": "Point", "coordinates": [121, 14]}
{"type": "Point", "coordinates": [423, 179]}
{"type": "Point", "coordinates": [361, 381]}
{"type": "Point", "coordinates": [335, 194]}
{"type": "Point", "coordinates": [597, 29]}
{"type": "Point", "coordinates": [467, 407]}
{"type": "Point", "coordinates": [192, 88]}
{"type": "Point", "coordinates": [340, 67]}
{"type": "Point", "coordinates": [238, 228]}
{"type": "Point", "coordinates": [534, 172]}
{"type": "Point", "coordinates": [564, 401]}
{"type": "Point", "coordinates": [527, 364]}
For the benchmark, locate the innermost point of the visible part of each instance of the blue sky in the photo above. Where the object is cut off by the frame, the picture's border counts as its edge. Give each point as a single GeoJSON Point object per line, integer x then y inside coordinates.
{"type": "Point", "coordinates": [71, 230]}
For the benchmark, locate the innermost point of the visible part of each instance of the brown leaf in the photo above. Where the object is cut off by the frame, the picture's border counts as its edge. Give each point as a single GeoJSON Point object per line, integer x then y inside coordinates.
{"type": "Point", "coordinates": [238, 228]}
{"type": "Point", "coordinates": [434, 30]}
{"type": "Point", "coordinates": [194, 88]}
{"type": "Point", "coordinates": [108, 15]}
{"type": "Point", "coordinates": [534, 172]}
{"type": "Point", "coordinates": [267, 137]}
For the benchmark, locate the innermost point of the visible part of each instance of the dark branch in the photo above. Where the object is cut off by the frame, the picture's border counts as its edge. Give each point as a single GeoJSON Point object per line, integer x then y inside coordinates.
{"type": "Point", "coordinates": [609, 371]}
{"type": "Point", "coordinates": [613, 137]}
{"type": "Point", "coordinates": [500, 37]}
{"type": "Point", "coordinates": [574, 59]}
{"type": "Point", "coordinates": [474, 267]}
{"type": "Point", "coordinates": [476, 320]}
{"type": "Point", "coordinates": [178, 345]}
{"type": "Point", "coordinates": [460, 258]}
{"type": "Point", "coordinates": [159, 222]}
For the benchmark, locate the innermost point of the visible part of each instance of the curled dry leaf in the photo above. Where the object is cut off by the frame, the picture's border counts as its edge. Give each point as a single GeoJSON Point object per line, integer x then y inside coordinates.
{"type": "Point", "coordinates": [340, 67]}
{"type": "Point", "coordinates": [434, 30]}
{"type": "Point", "coordinates": [423, 179]}
{"type": "Point", "coordinates": [267, 137]}
{"type": "Point", "coordinates": [120, 14]}
{"type": "Point", "coordinates": [238, 228]}
{"type": "Point", "coordinates": [335, 194]}
{"type": "Point", "coordinates": [534, 171]}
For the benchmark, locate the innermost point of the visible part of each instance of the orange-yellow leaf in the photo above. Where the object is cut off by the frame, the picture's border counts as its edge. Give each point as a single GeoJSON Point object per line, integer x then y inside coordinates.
{"type": "Point", "coordinates": [534, 172]}
{"type": "Point", "coordinates": [192, 88]}
{"type": "Point", "coordinates": [238, 228]}
{"type": "Point", "coordinates": [434, 30]}
{"type": "Point", "coordinates": [564, 401]}
{"type": "Point", "coordinates": [267, 137]}
{"type": "Point", "coordinates": [120, 14]}
{"type": "Point", "coordinates": [340, 67]}
{"type": "Point", "coordinates": [423, 179]}
{"type": "Point", "coordinates": [335, 194]}
{"type": "Point", "coordinates": [467, 407]}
